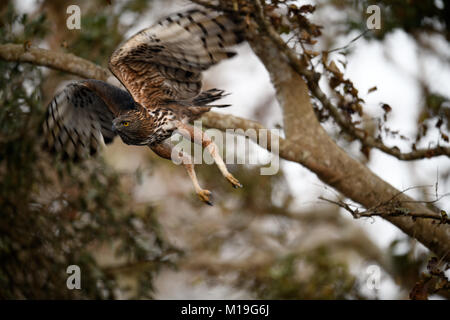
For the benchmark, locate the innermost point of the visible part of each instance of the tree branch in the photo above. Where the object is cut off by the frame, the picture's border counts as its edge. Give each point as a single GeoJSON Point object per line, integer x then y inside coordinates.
{"type": "Point", "coordinates": [307, 142]}
{"type": "Point", "coordinates": [312, 81]}
{"type": "Point", "coordinates": [56, 60]}
{"type": "Point", "coordinates": [391, 209]}
{"type": "Point", "coordinates": [332, 164]}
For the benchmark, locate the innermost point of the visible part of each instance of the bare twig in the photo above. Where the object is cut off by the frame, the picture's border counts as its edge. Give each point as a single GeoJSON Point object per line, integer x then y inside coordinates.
{"type": "Point", "coordinates": [350, 43]}
{"type": "Point", "coordinates": [389, 208]}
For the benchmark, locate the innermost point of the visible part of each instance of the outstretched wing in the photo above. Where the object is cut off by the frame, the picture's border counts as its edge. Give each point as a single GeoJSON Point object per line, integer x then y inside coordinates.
{"type": "Point", "coordinates": [164, 62]}
{"type": "Point", "coordinates": [79, 118]}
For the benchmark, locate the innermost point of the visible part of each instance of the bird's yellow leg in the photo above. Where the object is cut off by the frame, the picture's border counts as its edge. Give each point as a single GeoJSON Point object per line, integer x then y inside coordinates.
{"type": "Point", "coordinates": [204, 195]}
{"type": "Point", "coordinates": [199, 137]}
{"type": "Point", "coordinates": [164, 150]}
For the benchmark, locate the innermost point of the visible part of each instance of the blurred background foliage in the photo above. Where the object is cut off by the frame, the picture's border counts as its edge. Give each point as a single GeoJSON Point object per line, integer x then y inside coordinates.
{"type": "Point", "coordinates": [56, 214]}
{"type": "Point", "coordinates": [427, 22]}
{"type": "Point", "coordinates": [131, 221]}
{"type": "Point", "coordinates": [411, 16]}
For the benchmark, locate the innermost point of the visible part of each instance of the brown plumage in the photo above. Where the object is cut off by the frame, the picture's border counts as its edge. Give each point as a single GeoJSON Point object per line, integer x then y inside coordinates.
{"type": "Point", "coordinates": [161, 69]}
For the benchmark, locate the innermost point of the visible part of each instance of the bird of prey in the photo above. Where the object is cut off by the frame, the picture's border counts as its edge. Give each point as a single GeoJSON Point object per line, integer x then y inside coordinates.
{"type": "Point", "coordinates": [161, 69]}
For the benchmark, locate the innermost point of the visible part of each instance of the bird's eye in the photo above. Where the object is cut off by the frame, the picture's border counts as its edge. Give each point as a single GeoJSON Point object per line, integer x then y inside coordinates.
{"type": "Point", "coordinates": [126, 123]}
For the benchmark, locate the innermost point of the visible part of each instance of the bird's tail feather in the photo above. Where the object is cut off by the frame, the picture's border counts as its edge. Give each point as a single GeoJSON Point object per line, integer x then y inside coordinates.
{"type": "Point", "coordinates": [209, 96]}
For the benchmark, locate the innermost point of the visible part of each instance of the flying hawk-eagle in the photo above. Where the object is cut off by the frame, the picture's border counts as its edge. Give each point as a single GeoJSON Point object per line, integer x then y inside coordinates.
{"type": "Point", "coordinates": [160, 67]}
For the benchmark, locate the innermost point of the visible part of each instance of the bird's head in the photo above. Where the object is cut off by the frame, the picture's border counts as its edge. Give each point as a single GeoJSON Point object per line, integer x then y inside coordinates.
{"type": "Point", "coordinates": [132, 128]}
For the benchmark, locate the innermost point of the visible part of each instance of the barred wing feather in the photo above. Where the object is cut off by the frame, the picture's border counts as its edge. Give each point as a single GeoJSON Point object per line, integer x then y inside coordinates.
{"type": "Point", "coordinates": [79, 118]}
{"type": "Point", "coordinates": [164, 62]}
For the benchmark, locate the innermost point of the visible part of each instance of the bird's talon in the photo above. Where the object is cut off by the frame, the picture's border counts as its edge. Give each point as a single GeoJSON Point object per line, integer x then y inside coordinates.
{"type": "Point", "coordinates": [234, 182]}
{"type": "Point", "coordinates": [205, 195]}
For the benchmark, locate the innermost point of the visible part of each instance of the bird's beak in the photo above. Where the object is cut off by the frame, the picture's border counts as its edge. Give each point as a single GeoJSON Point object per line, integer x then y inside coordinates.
{"type": "Point", "coordinates": [113, 128]}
